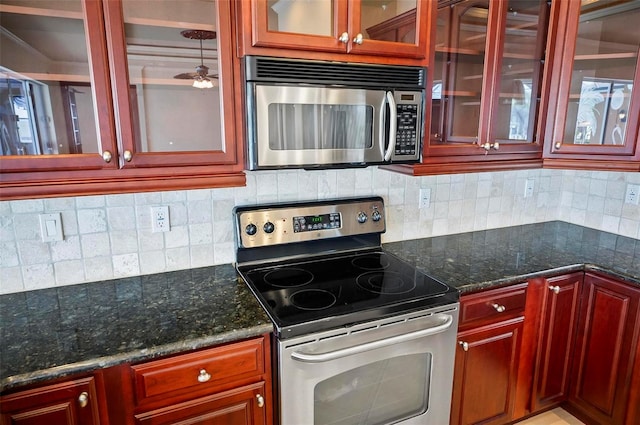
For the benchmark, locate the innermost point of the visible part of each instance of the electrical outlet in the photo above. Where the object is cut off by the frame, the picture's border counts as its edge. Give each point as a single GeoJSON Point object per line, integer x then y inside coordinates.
{"type": "Point", "coordinates": [425, 198]}
{"type": "Point", "coordinates": [160, 219]}
{"type": "Point", "coordinates": [528, 188]}
{"type": "Point", "coordinates": [633, 194]}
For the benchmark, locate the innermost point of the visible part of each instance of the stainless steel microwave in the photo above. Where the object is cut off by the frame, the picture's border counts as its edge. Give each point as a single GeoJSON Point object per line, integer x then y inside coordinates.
{"type": "Point", "coordinates": [318, 114]}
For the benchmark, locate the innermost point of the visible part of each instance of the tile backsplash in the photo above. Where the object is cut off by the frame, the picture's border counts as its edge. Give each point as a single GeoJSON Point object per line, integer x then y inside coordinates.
{"type": "Point", "coordinates": [110, 236]}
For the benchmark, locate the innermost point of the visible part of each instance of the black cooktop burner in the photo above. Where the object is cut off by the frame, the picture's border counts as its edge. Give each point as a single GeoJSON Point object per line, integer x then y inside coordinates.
{"type": "Point", "coordinates": [313, 299]}
{"type": "Point", "coordinates": [386, 282]}
{"type": "Point", "coordinates": [288, 277]}
{"type": "Point", "coordinates": [325, 292]}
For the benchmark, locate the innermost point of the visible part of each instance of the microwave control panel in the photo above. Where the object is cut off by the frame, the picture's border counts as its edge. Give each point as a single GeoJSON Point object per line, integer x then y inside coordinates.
{"type": "Point", "coordinates": [408, 124]}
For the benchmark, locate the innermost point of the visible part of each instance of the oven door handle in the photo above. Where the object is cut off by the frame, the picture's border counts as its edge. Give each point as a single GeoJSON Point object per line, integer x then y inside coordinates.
{"type": "Point", "coordinates": [332, 355]}
{"type": "Point", "coordinates": [393, 123]}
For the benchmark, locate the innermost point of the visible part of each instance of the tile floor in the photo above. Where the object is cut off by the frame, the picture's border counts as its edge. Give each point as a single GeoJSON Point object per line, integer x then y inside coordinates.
{"type": "Point", "coordinates": [557, 416]}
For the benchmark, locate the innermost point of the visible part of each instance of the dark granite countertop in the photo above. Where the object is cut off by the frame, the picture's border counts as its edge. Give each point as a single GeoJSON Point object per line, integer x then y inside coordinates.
{"type": "Point", "coordinates": [56, 332]}
{"type": "Point", "coordinates": [478, 260]}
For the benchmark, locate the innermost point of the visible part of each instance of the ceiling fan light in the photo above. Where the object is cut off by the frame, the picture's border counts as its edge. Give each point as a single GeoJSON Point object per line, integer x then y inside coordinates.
{"type": "Point", "coordinates": [202, 83]}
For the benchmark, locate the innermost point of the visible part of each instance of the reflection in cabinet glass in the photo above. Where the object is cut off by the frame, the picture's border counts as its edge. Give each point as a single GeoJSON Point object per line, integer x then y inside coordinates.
{"type": "Point", "coordinates": [173, 72]}
{"type": "Point", "coordinates": [46, 93]}
{"type": "Point", "coordinates": [311, 17]}
{"type": "Point", "coordinates": [604, 65]}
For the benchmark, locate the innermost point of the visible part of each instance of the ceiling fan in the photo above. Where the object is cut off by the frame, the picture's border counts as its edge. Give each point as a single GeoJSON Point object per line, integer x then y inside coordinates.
{"type": "Point", "coordinates": [201, 78]}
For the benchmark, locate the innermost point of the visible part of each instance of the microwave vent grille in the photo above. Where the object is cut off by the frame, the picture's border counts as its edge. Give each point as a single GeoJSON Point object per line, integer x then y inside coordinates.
{"type": "Point", "coordinates": [334, 73]}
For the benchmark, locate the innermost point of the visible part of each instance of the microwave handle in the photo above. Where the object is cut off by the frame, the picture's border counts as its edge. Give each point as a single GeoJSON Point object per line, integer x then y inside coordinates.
{"type": "Point", "coordinates": [393, 122]}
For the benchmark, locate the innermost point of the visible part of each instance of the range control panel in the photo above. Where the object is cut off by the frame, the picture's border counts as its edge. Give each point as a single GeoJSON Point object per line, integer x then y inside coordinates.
{"type": "Point", "coordinates": [265, 225]}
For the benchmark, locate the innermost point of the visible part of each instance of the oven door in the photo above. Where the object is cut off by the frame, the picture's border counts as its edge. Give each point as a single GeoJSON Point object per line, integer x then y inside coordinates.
{"type": "Point", "coordinates": [395, 371]}
{"type": "Point", "coordinates": [298, 126]}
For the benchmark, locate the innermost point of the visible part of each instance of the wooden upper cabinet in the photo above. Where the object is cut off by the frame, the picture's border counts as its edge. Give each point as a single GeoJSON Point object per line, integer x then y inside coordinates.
{"type": "Point", "coordinates": [111, 96]}
{"type": "Point", "coordinates": [55, 105]}
{"type": "Point", "coordinates": [381, 29]}
{"type": "Point", "coordinates": [487, 77]}
{"type": "Point", "coordinates": [595, 108]}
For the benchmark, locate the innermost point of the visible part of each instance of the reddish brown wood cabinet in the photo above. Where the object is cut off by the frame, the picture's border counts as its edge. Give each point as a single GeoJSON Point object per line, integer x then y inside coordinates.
{"type": "Point", "coordinates": [346, 30]}
{"type": "Point", "coordinates": [552, 369]}
{"type": "Point", "coordinates": [488, 356]}
{"type": "Point", "coordinates": [226, 385]}
{"type": "Point", "coordinates": [117, 110]}
{"type": "Point", "coordinates": [594, 110]}
{"type": "Point", "coordinates": [607, 337]}
{"type": "Point", "coordinates": [70, 402]}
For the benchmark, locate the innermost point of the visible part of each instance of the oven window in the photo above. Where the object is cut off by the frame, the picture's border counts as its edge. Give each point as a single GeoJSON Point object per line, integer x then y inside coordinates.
{"type": "Point", "coordinates": [294, 126]}
{"type": "Point", "coordinates": [377, 393]}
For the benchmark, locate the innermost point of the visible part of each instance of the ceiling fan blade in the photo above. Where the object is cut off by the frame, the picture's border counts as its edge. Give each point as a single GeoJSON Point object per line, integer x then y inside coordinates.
{"type": "Point", "coordinates": [186, 76]}
{"type": "Point", "coordinates": [213, 76]}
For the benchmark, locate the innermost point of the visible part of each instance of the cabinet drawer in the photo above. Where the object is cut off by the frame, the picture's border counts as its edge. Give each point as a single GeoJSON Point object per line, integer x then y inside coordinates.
{"type": "Point", "coordinates": [493, 305]}
{"type": "Point", "coordinates": [195, 373]}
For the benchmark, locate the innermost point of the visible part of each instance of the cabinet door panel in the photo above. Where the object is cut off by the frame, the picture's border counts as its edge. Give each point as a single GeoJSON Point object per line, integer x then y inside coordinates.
{"type": "Point", "coordinates": [485, 373]}
{"type": "Point", "coordinates": [68, 403]}
{"type": "Point", "coordinates": [608, 320]}
{"type": "Point", "coordinates": [235, 407]}
{"type": "Point", "coordinates": [174, 67]}
{"type": "Point", "coordinates": [598, 100]}
{"type": "Point", "coordinates": [55, 112]}
{"type": "Point", "coordinates": [557, 330]}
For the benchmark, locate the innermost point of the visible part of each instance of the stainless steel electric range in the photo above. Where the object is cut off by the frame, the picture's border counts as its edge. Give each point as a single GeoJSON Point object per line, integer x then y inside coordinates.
{"type": "Point", "coordinates": [361, 336]}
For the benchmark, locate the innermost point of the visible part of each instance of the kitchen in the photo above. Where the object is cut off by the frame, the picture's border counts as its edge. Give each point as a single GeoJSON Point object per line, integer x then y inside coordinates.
{"type": "Point", "coordinates": [109, 236]}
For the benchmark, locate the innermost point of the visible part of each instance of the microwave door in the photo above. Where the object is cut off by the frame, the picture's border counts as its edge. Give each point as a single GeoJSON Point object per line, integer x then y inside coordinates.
{"type": "Point", "coordinates": [297, 126]}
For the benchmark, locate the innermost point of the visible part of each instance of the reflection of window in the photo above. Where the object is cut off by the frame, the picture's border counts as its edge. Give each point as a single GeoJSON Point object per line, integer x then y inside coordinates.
{"type": "Point", "coordinates": [602, 111]}
{"type": "Point", "coordinates": [520, 107]}
{"type": "Point", "coordinates": [436, 91]}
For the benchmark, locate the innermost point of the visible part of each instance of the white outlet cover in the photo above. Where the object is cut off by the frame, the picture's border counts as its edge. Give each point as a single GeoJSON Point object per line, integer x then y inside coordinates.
{"type": "Point", "coordinates": [425, 198]}
{"type": "Point", "coordinates": [632, 195]}
{"type": "Point", "coordinates": [51, 227]}
{"type": "Point", "coordinates": [160, 219]}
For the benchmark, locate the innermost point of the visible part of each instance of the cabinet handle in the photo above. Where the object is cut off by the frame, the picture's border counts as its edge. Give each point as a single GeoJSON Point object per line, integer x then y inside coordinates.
{"type": "Point", "coordinates": [83, 399]}
{"type": "Point", "coordinates": [555, 289]}
{"type": "Point", "coordinates": [464, 345]}
{"type": "Point", "coordinates": [203, 376]}
{"type": "Point", "coordinates": [260, 400]}
{"type": "Point", "coordinates": [344, 37]}
{"type": "Point", "coordinates": [499, 308]}
{"type": "Point", "coordinates": [127, 155]}
{"type": "Point", "coordinates": [107, 156]}
{"type": "Point", "coordinates": [487, 146]}
{"type": "Point", "coordinates": [358, 39]}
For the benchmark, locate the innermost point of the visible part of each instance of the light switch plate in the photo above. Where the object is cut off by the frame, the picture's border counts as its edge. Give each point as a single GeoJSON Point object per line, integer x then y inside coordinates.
{"type": "Point", "coordinates": [51, 227]}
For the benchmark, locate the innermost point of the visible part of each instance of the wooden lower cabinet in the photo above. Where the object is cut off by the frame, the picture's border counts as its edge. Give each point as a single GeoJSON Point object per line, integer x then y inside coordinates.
{"type": "Point", "coordinates": [607, 339]}
{"type": "Point", "coordinates": [488, 356]}
{"type": "Point", "coordinates": [70, 402]}
{"type": "Point", "coordinates": [552, 368]}
{"type": "Point", "coordinates": [240, 406]}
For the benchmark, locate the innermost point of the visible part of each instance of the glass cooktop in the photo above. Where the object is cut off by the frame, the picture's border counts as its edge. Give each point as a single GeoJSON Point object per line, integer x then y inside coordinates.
{"type": "Point", "coordinates": [313, 295]}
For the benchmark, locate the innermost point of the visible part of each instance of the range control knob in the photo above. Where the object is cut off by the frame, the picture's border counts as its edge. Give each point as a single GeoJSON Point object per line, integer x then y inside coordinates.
{"type": "Point", "coordinates": [251, 229]}
{"type": "Point", "coordinates": [362, 217]}
{"type": "Point", "coordinates": [375, 215]}
{"type": "Point", "coordinates": [268, 227]}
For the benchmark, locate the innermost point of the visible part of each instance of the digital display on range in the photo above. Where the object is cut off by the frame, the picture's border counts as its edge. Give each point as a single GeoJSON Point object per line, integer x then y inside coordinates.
{"type": "Point", "coordinates": [309, 223]}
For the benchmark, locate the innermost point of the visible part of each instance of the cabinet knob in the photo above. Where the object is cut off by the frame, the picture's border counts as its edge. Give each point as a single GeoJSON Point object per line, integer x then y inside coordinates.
{"type": "Point", "coordinates": [464, 345]}
{"type": "Point", "coordinates": [555, 289]}
{"type": "Point", "coordinates": [107, 156]}
{"type": "Point", "coordinates": [83, 399]}
{"type": "Point", "coordinates": [260, 400]}
{"type": "Point", "coordinates": [558, 145]}
{"type": "Point", "coordinates": [127, 155]}
{"type": "Point", "coordinates": [344, 37]}
{"type": "Point", "coordinates": [358, 39]}
{"type": "Point", "coordinates": [203, 376]}
{"type": "Point", "coordinates": [499, 308]}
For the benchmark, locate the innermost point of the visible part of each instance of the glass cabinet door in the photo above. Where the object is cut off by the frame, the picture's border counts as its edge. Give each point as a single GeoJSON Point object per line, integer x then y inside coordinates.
{"type": "Point", "coordinates": [513, 117]}
{"type": "Point", "coordinates": [171, 110]}
{"type": "Point", "coordinates": [48, 109]}
{"type": "Point", "coordinates": [601, 103]}
{"type": "Point", "coordinates": [459, 72]}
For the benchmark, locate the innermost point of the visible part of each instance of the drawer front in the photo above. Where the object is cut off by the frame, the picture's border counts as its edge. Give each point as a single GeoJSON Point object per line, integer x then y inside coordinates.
{"type": "Point", "coordinates": [493, 305]}
{"type": "Point", "coordinates": [200, 372]}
